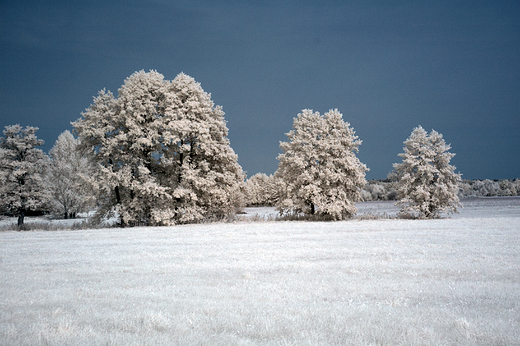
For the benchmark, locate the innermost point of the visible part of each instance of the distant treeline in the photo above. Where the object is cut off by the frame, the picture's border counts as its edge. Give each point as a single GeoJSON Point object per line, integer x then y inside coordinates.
{"type": "Point", "coordinates": [384, 190]}
{"type": "Point", "coordinates": [262, 190]}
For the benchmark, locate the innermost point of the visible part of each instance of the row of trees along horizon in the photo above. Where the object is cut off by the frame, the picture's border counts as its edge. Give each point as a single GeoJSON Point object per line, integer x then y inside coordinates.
{"type": "Point", "coordinates": [158, 154]}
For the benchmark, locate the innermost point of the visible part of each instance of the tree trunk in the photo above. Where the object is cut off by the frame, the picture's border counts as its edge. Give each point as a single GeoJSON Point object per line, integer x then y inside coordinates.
{"type": "Point", "coordinates": [181, 161]}
{"type": "Point", "coordinates": [312, 209]}
{"type": "Point", "coordinates": [118, 196]}
{"type": "Point", "coordinates": [21, 218]}
{"type": "Point", "coordinates": [118, 201]}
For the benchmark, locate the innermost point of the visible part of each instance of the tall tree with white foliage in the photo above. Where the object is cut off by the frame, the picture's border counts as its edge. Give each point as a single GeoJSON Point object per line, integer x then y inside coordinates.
{"type": "Point", "coordinates": [426, 182]}
{"type": "Point", "coordinates": [22, 170]}
{"type": "Point", "coordinates": [319, 167]}
{"type": "Point", "coordinates": [162, 152]}
{"type": "Point", "coordinates": [208, 179]}
{"type": "Point", "coordinates": [68, 177]}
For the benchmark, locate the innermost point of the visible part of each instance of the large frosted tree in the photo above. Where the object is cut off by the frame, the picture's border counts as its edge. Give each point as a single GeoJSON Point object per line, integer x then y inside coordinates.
{"type": "Point", "coordinates": [426, 182]}
{"type": "Point", "coordinates": [68, 177]}
{"type": "Point", "coordinates": [208, 179]}
{"type": "Point", "coordinates": [162, 152]}
{"type": "Point", "coordinates": [319, 167]}
{"type": "Point", "coordinates": [22, 170]}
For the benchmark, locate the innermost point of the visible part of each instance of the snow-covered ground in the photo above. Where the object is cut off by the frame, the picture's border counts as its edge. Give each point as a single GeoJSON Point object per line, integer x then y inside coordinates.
{"type": "Point", "coordinates": [451, 281]}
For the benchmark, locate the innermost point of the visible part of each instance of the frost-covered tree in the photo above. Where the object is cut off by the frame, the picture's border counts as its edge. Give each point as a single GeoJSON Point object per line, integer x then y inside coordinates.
{"type": "Point", "coordinates": [374, 191]}
{"type": "Point", "coordinates": [121, 135]}
{"type": "Point", "coordinates": [319, 167]}
{"type": "Point", "coordinates": [162, 152]}
{"type": "Point", "coordinates": [486, 188]}
{"type": "Point", "coordinates": [262, 190]}
{"type": "Point", "coordinates": [426, 182]}
{"type": "Point", "coordinates": [509, 187]}
{"type": "Point", "coordinates": [208, 179]}
{"type": "Point", "coordinates": [22, 170]}
{"type": "Point", "coordinates": [68, 177]}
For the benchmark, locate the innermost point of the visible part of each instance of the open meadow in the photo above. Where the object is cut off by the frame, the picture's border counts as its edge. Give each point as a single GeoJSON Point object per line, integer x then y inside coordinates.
{"type": "Point", "coordinates": [451, 281]}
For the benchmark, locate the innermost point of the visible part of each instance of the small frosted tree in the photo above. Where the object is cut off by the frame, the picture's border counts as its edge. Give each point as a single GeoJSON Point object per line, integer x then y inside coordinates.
{"type": "Point", "coordinates": [68, 177]}
{"type": "Point", "coordinates": [319, 167]}
{"type": "Point", "coordinates": [426, 182]}
{"type": "Point", "coordinates": [262, 190]}
{"type": "Point", "coordinates": [22, 170]}
{"type": "Point", "coordinates": [162, 152]}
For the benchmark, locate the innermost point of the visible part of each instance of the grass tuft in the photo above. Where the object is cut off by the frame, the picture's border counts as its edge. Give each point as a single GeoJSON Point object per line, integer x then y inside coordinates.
{"type": "Point", "coordinates": [374, 216]}
{"type": "Point", "coordinates": [49, 226]}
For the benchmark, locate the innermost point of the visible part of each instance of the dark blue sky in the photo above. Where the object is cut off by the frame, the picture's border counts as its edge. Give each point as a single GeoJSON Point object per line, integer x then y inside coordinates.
{"type": "Point", "coordinates": [452, 66]}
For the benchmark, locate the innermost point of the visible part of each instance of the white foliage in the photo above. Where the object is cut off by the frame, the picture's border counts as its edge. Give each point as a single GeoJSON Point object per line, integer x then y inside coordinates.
{"type": "Point", "coordinates": [319, 167]}
{"type": "Point", "coordinates": [68, 177]}
{"type": "Point", "coordinates": [262, 190]}
{"type": "Point", "coordinates": [374, 192]}
{"type": "Point", "coordinates": [486, 188]}
{"type": "Point", "coordinates": [22, 170]}
{"type": "Point", "coordinates": [162, 150]}
{"type": "Point", "coordinates": [427, 184]}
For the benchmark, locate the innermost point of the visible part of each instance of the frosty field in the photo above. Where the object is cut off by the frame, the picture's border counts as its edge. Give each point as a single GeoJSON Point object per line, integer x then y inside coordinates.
{"type": "Point", "coordinates": [452, 281]}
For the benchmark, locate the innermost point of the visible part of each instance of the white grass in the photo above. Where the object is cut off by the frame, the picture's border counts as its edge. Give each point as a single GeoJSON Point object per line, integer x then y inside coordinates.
{"type": "Point", "coordinates": [450, 281]}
